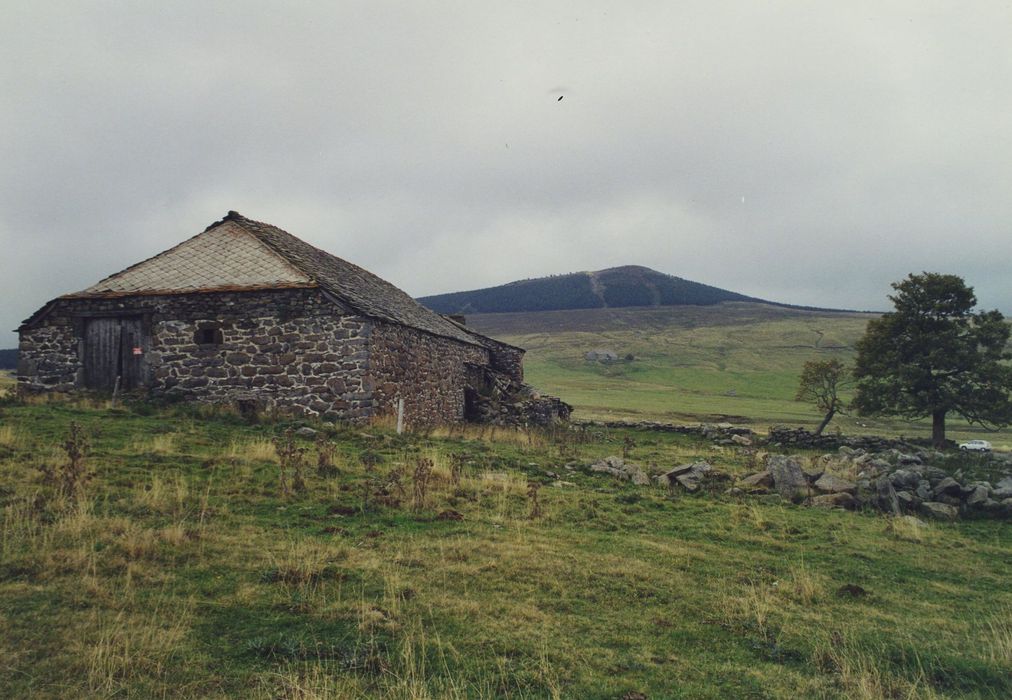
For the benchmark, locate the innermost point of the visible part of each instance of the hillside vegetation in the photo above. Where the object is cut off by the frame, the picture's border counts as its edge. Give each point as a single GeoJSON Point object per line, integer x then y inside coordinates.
{"type": "Point", "coordinates": [9, 358]}
{"type": "Point", "coordinates": [615, 287]}
{"type": "Point", "coordinates": [182, 570]}
{"type": "Point", "coordinates": [736, 361]}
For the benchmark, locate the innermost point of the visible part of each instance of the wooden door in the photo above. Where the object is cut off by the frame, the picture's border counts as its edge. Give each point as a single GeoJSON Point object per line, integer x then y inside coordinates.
{"type": "Point", "coordinates": [114, 348]}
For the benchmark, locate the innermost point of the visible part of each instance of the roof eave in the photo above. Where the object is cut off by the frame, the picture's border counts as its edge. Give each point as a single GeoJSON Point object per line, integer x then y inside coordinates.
{"type": "Point", "coordinates": [117, 294]}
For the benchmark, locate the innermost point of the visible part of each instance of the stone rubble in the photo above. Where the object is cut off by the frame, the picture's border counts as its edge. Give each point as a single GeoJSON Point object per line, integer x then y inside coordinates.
{"type": "Point", "coordinates": [893, 482]}
{"type": "Point", "coordinates": [894, 476]}
{"type": "Point", "coordinates": [620, 469]}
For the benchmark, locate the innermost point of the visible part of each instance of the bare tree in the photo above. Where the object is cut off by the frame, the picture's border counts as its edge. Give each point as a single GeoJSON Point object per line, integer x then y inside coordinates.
{"type": "Point", "coordinates": [821, 382]}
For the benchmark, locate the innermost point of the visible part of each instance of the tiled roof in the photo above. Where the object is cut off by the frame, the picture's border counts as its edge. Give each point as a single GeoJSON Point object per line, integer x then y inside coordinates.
{"type": "Point", "coordinates": [239, 253]}
{"type": "Point", "coordinates": [225, 256]}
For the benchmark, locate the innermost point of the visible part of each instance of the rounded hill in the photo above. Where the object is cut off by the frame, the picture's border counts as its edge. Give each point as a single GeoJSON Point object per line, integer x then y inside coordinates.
{"type": "Point", "coordinates": [630, 285]}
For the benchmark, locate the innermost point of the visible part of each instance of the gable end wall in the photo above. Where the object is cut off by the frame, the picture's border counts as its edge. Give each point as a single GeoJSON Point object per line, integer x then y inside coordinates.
{"type": "Point", "coordinates": [429, 372]}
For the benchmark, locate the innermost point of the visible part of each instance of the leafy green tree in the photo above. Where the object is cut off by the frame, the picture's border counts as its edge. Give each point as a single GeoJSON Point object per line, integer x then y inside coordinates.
{"type": "Point", "coordinates": [933, 356]}
{"type": "Point", "coordinates": [821, 382]}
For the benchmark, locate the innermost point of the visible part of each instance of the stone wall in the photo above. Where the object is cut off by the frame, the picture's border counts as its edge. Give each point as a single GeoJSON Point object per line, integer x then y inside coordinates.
{"type": "Point", "coordinates": [279, 348]}
{"type": "Point", "coordinates": [292, 348]}
{"type": "Point", "coordinates": [48, 358]}
{"type": "Point", "coordinates": [507, 359]}
{"type": "Point", "coordinates": [427, 371]}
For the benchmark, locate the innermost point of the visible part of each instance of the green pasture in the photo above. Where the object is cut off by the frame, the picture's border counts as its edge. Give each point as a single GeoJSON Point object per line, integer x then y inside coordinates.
{"type": "Point", "coordinates": [182, 570]}
{"type": "Point", "coordinates": [721, 363]}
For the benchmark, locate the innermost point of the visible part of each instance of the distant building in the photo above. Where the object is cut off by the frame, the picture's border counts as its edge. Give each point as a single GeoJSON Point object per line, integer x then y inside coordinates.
{"type": "Point", "coordinates": [247, 313]}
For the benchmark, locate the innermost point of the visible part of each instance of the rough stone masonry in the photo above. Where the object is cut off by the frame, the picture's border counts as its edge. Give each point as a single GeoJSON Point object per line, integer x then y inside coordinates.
{"type": "Point", "coordinates": [247, 313]}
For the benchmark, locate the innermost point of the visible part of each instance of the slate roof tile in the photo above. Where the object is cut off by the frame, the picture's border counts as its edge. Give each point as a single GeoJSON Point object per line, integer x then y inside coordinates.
{"type": "Point", "coordinates": [223, 256]}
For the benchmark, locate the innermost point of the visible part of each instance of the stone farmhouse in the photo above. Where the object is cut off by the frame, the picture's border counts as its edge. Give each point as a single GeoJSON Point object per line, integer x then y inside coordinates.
{"type": "Point", "coordinates": [248, 314]}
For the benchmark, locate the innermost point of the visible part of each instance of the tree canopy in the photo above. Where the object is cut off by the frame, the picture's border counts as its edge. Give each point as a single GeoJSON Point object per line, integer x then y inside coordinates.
{"type": "Point", "coordinates": [934, 355]}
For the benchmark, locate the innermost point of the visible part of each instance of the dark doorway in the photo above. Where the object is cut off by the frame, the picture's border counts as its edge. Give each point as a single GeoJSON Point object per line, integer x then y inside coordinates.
{"type": "Point", "coordinates": [114, 348]}
{"type": "Point", "coordinates": [471, 411]}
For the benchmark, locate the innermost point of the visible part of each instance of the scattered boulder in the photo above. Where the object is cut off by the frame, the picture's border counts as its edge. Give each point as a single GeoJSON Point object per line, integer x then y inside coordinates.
{"type": "Point", "coordinates": [939, 511]}
{"type": "Point", "coordinates": [305, 431]}
{"type": "Point", "coordinates": [977, 497]}
{"type": "Point", "coordinates": [742, 440]}
{"type": "Point", "coordinates": [933, 474]}
{"type": "Point", "coordinates": [759, 480]}
{"type": "Point", "coordinates": [905, 479]}
{"type": "Point", "coordinates": [827, 483]}
{"type": "Point", "coordinates": [886, 495]}
{"type": "Point", "coordinates": [913, 522]}
{"type": "Point", "coordinates": [907, 500]}
{"type": "Point", "coordinates": [638, 476]}
{"type": "Point", "coordinates": [620, 469]}
{"type": "Point", "coordinates": [688, 476]}
{"type": "Point", "coordinates": [1002, 490]}
{"type": "Point", "coordinates": [611, 465]}
{"type": "Point", "coordinates": [788, 477]}
{"type": "Point", "coordinates": [840, 499]}
{"type": "Point", "coordinates": [948, 487]}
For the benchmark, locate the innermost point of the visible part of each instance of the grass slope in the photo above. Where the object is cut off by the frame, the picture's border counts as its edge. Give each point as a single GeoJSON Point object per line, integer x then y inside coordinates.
{"type": "Point", "coordinates": [181, 571]}
{"type": "Point", "coordinates": [736, 361]}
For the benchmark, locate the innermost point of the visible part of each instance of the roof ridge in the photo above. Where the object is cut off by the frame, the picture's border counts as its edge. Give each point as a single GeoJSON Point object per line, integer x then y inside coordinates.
{"type": "Point", "coordinates": [367, 294]}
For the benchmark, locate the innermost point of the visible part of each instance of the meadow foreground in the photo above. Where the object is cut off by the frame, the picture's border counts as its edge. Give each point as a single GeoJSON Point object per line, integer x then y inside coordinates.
{"type": "Point", "coordinates": [470, 563]}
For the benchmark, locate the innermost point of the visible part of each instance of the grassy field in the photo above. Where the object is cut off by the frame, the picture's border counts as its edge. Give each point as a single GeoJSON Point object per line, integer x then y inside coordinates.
{"type": "Point", "coordinates": [180, 570]}
{"type": "Point", "coordinates": [737, 362]}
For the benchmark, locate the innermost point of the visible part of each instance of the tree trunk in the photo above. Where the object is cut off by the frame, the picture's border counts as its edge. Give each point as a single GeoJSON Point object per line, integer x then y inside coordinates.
{"type": "Point", "coordinates": [825, 421]}
{"type": "Point", "coordinates": [938, 429]}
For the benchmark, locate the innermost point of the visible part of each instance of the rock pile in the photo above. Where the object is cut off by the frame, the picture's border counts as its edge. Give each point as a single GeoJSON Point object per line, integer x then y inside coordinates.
{"type": "Point", "coordinates": [894, 476]}
{"type": "Point", "coordinates": [619, 468]}
{"type": "Point", "coordinates": [505, 402]}
{"type": "Point", "coordinates": [690, 476]}
{"type": "Point", "coordinates": [894, 482]}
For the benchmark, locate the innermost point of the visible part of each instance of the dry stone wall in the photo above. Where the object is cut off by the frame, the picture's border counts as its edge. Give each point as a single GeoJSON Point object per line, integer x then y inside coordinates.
{"type": "Point", "coordinates": [429, 372]}
{"type": "Point", "coordinates": [507, 359]}
{"type": "Point", "coordinates": [282, 348]}
{"type": "Point", "coordinates": [48, 358]}
{"type": "Point", "coordinates": [289, 348]}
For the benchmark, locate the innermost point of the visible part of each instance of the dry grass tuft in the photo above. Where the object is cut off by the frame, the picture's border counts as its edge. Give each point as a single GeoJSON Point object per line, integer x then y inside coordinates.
{"type": "Point", "coordinates": [907, 528]}
{"type": "Point", "coordinates": [861, 674]}
{"type": "Point", "coordinates": [164, 495]}
{"type": "Point", "coordinates": [535, 439]}
{"type": "Point", "coordinates": [802, 585]}
{"type": "Point", "coordinates": [174, 535]}
{"type": "Point", "coordinates": [998, 636]}
{"type": "Point", "coordinates": [250, 451]}
{"type": "Point", "coordinates": [164, 444]}
{"type": "Point", "coordinates": [11, 437]}
{"type": "Point", "coordinates": [131, 648]}
{"type": "Point", "coordinates": [137, 542]}
{"type": "Point", "coordinates": [304, 563]}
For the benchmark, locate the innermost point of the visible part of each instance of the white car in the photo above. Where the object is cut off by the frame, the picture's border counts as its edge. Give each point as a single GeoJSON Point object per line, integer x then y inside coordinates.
{"type": "Point", "coordinates": [975, 446]}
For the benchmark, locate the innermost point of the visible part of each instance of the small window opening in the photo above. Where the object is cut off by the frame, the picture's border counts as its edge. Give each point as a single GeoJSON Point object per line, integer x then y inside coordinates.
{"type": "Point", "coordinates": [208, 336]}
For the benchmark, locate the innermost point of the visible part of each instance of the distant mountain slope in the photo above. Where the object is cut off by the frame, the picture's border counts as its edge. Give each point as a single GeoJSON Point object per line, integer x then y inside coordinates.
{"type": "Point", "coordinates": [626, 286]}
{"type": "Point", "coordinates": [9, 358]}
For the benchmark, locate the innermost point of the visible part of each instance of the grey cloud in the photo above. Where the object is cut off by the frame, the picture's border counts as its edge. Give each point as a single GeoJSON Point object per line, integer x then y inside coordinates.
{"type": "Point", "coordinates": [867, 140]}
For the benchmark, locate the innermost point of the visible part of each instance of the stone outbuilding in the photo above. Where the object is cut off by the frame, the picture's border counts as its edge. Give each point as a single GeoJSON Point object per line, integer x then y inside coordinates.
{"type": "Point", "coordinates": [248, 314]}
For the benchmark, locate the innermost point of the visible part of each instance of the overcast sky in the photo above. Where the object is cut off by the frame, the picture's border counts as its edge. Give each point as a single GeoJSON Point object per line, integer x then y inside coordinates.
{"type": "Point", "coordinates": [804, 152]}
